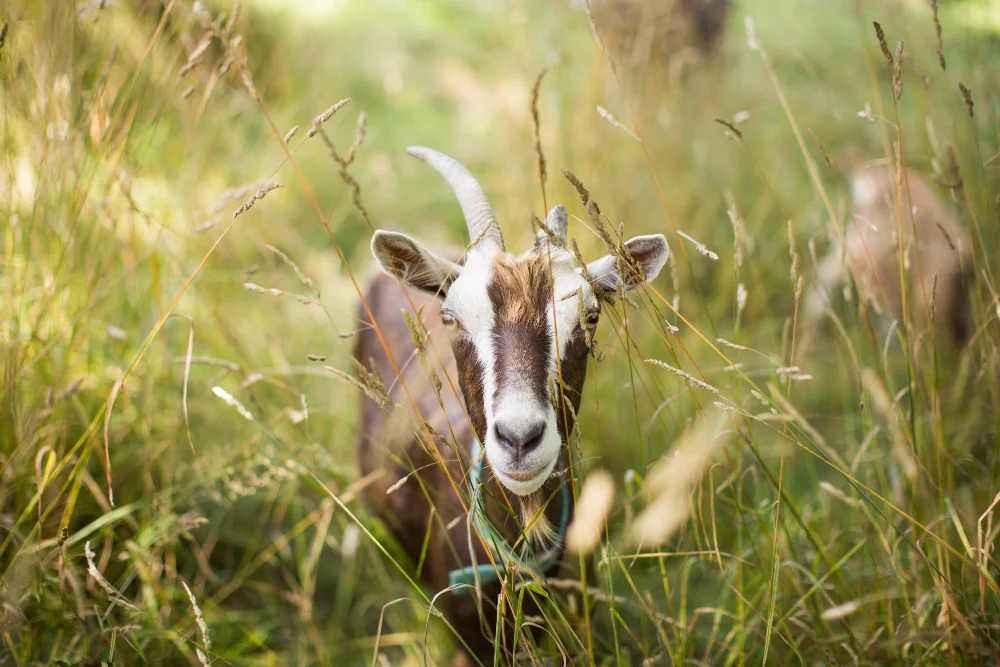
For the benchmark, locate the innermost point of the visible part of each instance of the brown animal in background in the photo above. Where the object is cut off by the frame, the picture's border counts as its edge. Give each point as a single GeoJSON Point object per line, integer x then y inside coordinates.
{"type": "Point", "coordinates": [516, 325]}
{"type": "Point", "coordinates": [664, 33]}
{"type": "Point", "coordinates": [934, 244]}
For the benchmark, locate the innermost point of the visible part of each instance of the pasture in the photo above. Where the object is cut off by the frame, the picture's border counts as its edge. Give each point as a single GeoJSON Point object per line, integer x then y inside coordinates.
{"type": "Point", "coordinates": [188, 192]}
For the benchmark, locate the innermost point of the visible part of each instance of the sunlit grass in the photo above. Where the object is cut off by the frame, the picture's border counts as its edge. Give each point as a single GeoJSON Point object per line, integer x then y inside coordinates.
{"type": "Point", "coordinates": [180, 426]}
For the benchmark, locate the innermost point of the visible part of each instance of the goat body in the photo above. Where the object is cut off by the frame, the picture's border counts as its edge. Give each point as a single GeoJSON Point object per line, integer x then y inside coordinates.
{"type": "Point", "coordinates": [933, 246]}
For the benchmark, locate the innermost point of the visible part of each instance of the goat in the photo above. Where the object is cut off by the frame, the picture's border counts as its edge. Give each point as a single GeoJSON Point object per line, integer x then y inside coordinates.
{"type": "Point", "coordinates": [935, 247]}
{"type": "Point", "coordinates": [518, 327]}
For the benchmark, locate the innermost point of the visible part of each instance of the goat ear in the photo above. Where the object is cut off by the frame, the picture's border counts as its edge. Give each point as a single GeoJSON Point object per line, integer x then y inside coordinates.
{"type": "Point", "coordinates": [404, 258]}
{"type": "Point", "coordinates": [649, 253]}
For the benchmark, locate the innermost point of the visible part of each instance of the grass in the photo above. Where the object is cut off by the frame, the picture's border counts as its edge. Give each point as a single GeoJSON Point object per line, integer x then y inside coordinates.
{"type": "Point", "coordinates": [163, 417]}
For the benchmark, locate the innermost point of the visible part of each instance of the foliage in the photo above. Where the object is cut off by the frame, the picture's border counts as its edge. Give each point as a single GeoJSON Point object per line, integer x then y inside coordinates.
{"type": "Point", "coordinates": [165, 406]}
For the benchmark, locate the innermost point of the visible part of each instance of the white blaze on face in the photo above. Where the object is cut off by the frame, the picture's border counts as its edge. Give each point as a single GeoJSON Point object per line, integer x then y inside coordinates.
{"type": "Point", "coordinates": [517, 405]}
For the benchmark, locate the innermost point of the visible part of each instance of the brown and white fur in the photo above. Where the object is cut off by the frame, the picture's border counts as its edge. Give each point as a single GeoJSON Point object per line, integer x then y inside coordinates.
{"type": "Point", "coordinates": [933, 244]}
{"type": "Point", "coordinates": [512, 323]}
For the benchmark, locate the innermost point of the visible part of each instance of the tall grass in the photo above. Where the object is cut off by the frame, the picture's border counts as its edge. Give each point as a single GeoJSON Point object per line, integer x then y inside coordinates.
{"type": "Point", "coordinates": [177, 474]}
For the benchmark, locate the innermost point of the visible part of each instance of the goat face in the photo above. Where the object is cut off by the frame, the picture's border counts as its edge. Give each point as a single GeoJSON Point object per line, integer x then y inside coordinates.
{"type": "Point", "coordinates": [517, 323]}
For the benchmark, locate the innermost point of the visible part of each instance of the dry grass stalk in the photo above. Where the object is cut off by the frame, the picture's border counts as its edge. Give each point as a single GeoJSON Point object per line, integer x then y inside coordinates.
{"type": "Point", "coordinates": [543, 230]}
{"type": "Point", "coordinates": [593, 210]}
{"type": "Point", "coordinates": [731, 130]}
{"type": "Point", "coordinates": [96, 575]}
{"type": "Point", "coordinates": [597, 38]}
{"type": "Point", "coordinates": [882, 43]}
{"type": "Point", "coordinates": [303, 278]}
{"type": "Point", "coordinates": [683, 374]}
{"type": "Point", "coordinates": [741, 298]}
{"type": "Point", "coordinates": [840, 611]}
{"type": "Point", "coordinates": [951, 176]}
{"type": "Point", "coordinates": [897, 71]}
{"type": "Point", "coordinates": [739, 229]}
{"type": "Point", "coordinates": [939, 48]}
{"type": "Point", "coordinates": [206, 640]}
{"type": "Point", "coordinates": [669, 483]}
{"type": "Point", "coordinates": [254, 287]}
{"type": "Point", "coordinates": [316, 357]}
{"type": "Point", "coordinates": [260, 194]}
{"type": "Point", "coordinates": [325, 116]}
{"type": "Point", "coordinates": [291, 133]}
{"type": "Point", "coordinates": [614, 122]}
{"type": "Point", "coordinates": [419, 337]}
{"type": "Point", "coordinates": [370, 383]}
{"type": "Point", "coordinates": [239, 192]}
{"type": "Point", "coordinates": [69, 390]}
{"type": "Point", "coordinates": [727, 408]}
{"type": "Point", "coordinates": [918, 70]}
{"type": "Point", "coordinates": [350, 334]}
{"type": "Point", "coordinates": [599, 292]}
{"type": "Point", "coordinates": [763, 401]}
{"type": "Point", "coordinates": [195, 58]}
{"type": "Point", "coordinates": [726, 343]}
{"type": "Point", "coordinates": [967, 96]}
{"type": "Point", "coordinates": [751, 33]}
{"type": "Point", "coordinates": [382, 399]}
{"type": "Point", "coordinates": [232, 402]}
{"type": "Point", "coordinates": [536, 125]}
{"type": "Point", "coordinates": [700, 247]}
{"type": "Point", "coordinates": [596, 498]}
{"type": "Point", "coordinates": [538, 529]}
{"type": "Point", "coordinates": [343, 163]}
{"type": "Point", "coordinates": [359, 138]}
{"type": "Point", "coordinates": [793, 253]}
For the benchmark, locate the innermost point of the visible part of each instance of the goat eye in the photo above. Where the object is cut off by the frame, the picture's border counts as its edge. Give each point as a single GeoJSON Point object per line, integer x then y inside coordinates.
{"type": "Point", "coordinates": [591, 319]}
{"type": "Point", "coordinates": [448, 320]}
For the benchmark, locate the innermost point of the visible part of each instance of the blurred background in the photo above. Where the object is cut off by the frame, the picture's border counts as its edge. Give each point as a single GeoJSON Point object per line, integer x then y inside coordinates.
{"type": "Point", "coordinates": [167, 420]}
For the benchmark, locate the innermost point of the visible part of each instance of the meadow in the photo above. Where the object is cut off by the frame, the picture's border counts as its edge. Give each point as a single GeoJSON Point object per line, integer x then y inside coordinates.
{"type": "Point", "coordinates": [187, 195]}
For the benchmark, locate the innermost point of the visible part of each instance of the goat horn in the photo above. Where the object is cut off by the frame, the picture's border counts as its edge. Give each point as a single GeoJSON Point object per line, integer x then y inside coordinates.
{"type": "Point", "coordinates": [558, 223]}
{"type": "Point", "coordinates": [476, 207]}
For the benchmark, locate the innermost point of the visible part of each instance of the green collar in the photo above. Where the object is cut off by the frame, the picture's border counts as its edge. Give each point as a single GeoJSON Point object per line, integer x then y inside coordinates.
{"type": "Point", "coordinates": [534, 564]}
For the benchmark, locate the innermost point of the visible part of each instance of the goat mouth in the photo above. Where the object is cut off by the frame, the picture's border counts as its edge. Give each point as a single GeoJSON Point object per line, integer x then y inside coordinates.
{"type": "Point", "coordinates": [525, 476]}
{"type": "Point", "coordinates": [524, 482]}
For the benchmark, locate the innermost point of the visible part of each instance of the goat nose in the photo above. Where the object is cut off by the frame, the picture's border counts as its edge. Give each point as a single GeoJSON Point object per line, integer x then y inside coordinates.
{"type": "Point", "coordinates": [521, 438]}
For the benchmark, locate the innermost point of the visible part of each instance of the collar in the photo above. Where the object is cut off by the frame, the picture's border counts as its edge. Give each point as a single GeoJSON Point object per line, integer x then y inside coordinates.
{"type": "Point", "coordinates": [534, 564]}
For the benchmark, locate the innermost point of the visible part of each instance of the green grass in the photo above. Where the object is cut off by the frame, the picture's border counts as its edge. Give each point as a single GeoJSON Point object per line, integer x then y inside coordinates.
{"type": "Point", "coordinates": [108, 170]}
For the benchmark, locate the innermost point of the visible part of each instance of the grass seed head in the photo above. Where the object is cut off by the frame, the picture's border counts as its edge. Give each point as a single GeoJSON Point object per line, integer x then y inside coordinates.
{"type": "Point", "coordinates": [938, 47]}
{"type": "Point", "coordinates": [231, 401]}
{"type": "Point", "coordinates": [536, 125]}
{"type": "Point", "coordinates": [967, 96]}
{"type": "Point", "coordinates": [592, 507]}
{"type": "Point", "coordinates": [882, 43]}
{"type": "Point", "coordinates": [325, 116]}
{"type": "Point", "coordinates": [303, 278]}
{"type": "Point", "coordinates": [731, 131]}
{"type": "Point", "coordinates": [614, 122]}
{"type": "Point", "coordinates": [840, 611]}
{"type": "Point", "coordinates": [897, 71]}
{"type": "Point", "coordinates": [199, 618]}
{"type": "Point", "coordinates": [260, 194]}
